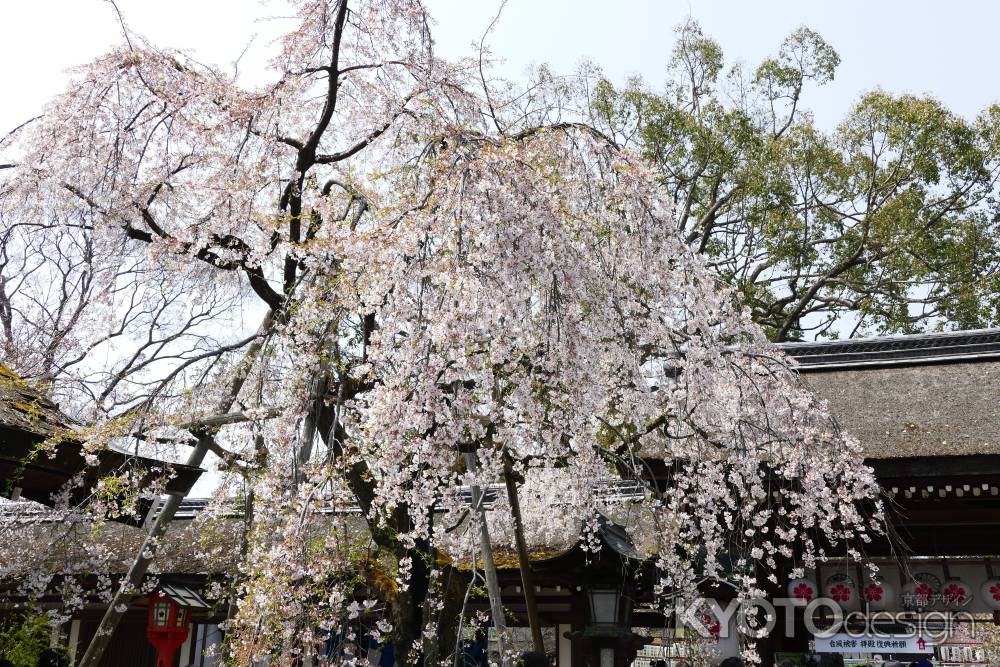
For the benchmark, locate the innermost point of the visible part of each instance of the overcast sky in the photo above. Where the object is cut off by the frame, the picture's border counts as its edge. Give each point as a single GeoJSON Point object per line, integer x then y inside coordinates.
{"type": "Point", "coordinates": [947, 49]}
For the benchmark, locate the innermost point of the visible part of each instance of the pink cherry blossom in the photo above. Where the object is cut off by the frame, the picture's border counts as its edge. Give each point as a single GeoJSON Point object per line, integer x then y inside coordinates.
{"type": "Point", "coordinates": [348, 277]}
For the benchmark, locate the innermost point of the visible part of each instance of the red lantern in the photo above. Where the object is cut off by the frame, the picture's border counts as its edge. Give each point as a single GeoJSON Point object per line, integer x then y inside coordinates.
{"type": "Point", "coordinates": [170, 620]}
{"type": "Point", "coordinates": [712, 625]}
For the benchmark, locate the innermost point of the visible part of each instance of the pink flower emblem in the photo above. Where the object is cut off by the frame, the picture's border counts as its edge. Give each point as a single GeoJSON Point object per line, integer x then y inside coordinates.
{"type": "Point", "coordinates": [874, 592]}
{"type": "Point", "coordinates": [955, 593]}
{"type": "Point", "coordinates": [804, 591]}
{"type": "Point", "coordinates": [840, 593]}
{"type": "Point", "coordinates": [995, 591]}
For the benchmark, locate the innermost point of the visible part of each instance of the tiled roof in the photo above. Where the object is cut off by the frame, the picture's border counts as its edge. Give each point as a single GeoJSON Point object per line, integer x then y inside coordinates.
{"type": "Point", "coordinates": [915, 349]}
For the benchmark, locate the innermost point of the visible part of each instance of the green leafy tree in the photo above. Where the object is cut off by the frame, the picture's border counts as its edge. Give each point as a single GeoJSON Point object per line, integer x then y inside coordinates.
{"type": "Point", "coordinates": [886, 224]}
{"type": "Point", "coordinates": [23, 637]}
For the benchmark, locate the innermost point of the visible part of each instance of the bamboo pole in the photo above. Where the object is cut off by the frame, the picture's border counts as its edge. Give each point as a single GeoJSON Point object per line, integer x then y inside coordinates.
{"type": "Point", "coordinates": [133, 580]}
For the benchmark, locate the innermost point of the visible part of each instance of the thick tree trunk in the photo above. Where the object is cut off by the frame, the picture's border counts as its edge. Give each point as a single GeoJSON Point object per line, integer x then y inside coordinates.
{"type": "Point", "coordinates": [412, 608]}
{"type": "Point", "coordinates": [406, 609]}
{"type": "Point", "coordinates": [405, 628]}
{"type": "Point", "coordinates": [445, 642]}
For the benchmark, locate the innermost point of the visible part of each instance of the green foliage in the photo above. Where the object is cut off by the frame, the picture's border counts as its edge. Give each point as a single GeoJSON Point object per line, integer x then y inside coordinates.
{"type": "Point", "coordinates": [886, 224]}
{"type": "Point", "coordinates": [23, 637]}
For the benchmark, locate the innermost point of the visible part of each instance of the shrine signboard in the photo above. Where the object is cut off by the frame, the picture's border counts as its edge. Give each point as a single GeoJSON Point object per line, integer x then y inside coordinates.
{"type": "Point", "coordinates": [843, 642]}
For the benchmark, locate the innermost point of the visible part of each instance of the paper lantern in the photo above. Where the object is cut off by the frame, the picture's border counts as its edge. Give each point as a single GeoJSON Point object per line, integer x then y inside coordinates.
{"type": "Point", "coordinates": [878, 595]}
{"type": "Point", "coordinates": [919, 595]}
{"type": "Point", "coordinates": [802, 589]}
{"type": "Point", "coordinates": [841, 589]}
{"type": "Point", "coordinates": [990, 593]}
{"type": "Point", "coordinates": [956, 593]}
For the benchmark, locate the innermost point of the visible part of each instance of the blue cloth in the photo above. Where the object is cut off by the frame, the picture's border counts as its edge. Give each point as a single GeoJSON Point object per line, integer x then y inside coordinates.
{"type": "Point", "coordinates": [474, 654]}
{"type": "Point", "coordinates": [387, 658]}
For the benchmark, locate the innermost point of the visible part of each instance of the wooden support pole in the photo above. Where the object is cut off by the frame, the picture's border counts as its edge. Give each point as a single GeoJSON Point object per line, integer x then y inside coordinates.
{"type": "Point", "coordinates": [527, 580]}
{"type": "Point", "coordinates": [133, 580]}
{"type": "Point", "coordinates": [489, 566]}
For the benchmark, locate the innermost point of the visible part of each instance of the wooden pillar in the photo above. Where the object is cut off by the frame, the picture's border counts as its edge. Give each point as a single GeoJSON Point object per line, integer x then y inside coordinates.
{"type": "Point", "coordinates": [565, 647]}
{"type": "Point", "coordinates": [578, 606]}
{"type": "Point", "coordinates": [74, 638]}
{"type": "Point", "coordinates": [185, 652]}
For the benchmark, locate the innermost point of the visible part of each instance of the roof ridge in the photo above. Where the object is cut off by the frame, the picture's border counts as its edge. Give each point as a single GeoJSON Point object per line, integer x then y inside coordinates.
{"type": "Point", "coordinates": [968, 345]}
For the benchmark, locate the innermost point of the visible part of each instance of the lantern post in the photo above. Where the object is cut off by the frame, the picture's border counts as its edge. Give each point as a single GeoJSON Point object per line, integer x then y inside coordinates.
{"type": "Point", "coordinates": [168, 625]}
{"type": "Point", "coordinates": [607, 639]}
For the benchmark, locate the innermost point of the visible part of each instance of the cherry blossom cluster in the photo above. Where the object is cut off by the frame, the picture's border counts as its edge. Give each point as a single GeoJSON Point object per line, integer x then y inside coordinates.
{"type": "Point", "coordinates": [353, 277]}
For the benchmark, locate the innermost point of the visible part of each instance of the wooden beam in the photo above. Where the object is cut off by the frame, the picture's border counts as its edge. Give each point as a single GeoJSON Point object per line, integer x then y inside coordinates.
{"type": "Point", "coordinates": [973, 469]}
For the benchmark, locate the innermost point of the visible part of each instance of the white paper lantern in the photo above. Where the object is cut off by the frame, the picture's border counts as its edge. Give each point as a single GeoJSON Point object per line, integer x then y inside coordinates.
{"type": "Point", "coordinates": [919, 595]}
{"type": "Point", "coordinates": [841, 589]}
{"type": "Point", "coordinates": [878, 595]}
{"type": "Point", "coordinates": [803, 589]}
{"type": "Point", "coordinates": [990, 593]}
{"type": "Point", "coordinates": [956, 593]}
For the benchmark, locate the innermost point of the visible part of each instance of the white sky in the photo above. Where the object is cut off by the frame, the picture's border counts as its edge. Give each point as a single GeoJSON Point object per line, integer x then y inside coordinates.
{"type": "Point", "coordinates": [944, 49]}
{"type": "Point", "coordinates": [947, 49]}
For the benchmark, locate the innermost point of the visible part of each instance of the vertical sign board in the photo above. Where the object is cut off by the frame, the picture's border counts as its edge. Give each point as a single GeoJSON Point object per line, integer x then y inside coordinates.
{"type": "Point", "coordinates": [873, 643]}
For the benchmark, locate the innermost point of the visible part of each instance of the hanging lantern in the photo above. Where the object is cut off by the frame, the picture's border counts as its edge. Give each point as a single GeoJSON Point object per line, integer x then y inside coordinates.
{"type": "Point", "coordinates": [878, 595]}
{"type": "Point", "coordinates": [803, 589]}
{"type": "Point", "coordinates": [990, 593]}
{"type": "Point", "coordinates": [920, 593]}
{"type": "Point", "coordinates": [841, 589]}
{"type": "Point", "coordinates": [956, 593]}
